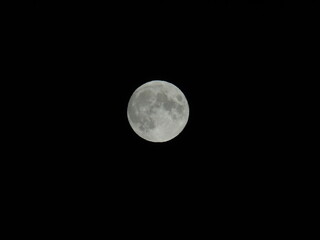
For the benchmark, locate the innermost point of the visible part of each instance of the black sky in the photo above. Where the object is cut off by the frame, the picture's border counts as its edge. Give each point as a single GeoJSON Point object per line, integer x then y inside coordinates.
{"type": "Point", "coordinates": [88, 58]}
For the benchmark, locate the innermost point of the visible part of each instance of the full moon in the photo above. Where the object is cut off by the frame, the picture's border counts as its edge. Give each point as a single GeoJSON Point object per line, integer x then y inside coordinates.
{"type": "Point", "coordinates": [158, 111]}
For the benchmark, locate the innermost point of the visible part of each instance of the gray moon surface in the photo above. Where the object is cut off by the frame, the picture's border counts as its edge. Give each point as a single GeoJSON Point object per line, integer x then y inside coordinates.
{"type": "Point", "coordinates": [158, 111]}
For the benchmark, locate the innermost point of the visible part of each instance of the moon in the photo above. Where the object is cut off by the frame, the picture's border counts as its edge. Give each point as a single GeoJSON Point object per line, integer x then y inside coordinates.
{"type": "Point", "coordinates": [158, 111]}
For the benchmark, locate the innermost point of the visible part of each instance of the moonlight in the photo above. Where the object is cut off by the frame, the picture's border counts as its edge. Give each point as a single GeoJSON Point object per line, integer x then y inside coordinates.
{"type": "Point", "coordinates": [158, 111]}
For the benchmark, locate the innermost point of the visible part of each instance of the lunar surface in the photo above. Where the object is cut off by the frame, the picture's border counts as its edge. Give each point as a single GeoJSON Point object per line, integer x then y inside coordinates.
{"type": "Point", "coordinates": [158, 111]}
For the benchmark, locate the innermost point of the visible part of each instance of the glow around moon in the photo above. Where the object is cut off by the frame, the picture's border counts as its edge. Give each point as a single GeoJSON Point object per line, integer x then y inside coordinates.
{"type": "Point", "coordinates": [158, 111]}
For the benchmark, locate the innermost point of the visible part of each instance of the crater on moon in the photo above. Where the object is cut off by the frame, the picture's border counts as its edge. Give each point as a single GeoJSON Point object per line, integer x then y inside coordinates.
{"type": "Point", "coordinates": [158, 111]}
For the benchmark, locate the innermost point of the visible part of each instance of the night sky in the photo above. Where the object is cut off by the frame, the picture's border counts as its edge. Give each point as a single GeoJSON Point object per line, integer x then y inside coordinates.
{"type": "Point", "coordinates": [89, 57]}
